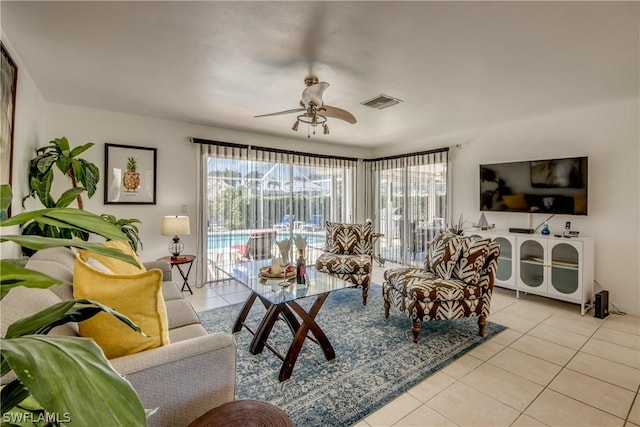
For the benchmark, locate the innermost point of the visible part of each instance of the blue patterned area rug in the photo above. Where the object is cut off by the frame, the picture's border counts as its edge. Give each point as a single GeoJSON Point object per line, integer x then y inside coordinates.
{"type": "Point", "coordinates": [376, 359]}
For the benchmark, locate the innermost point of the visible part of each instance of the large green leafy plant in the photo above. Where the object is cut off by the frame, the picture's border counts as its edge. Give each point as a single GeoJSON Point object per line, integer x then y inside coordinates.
{"type": "Point", "coordinates": [84, 177]}
{"type": "Point", "coordinates": [68, 377]}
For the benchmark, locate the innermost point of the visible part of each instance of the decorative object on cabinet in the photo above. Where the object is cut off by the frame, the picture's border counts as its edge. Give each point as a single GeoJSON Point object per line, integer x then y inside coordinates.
{"type": "Point", "coordinates": [130, 174]}
{"type": "Point", "coordinates": [554, 267]}
{"type": "Point", "coordinates": [483, 224]}
{"type": "Point", "coordinates": [545, 229]}
{"type": "Point", "coordinates": [8, 111]}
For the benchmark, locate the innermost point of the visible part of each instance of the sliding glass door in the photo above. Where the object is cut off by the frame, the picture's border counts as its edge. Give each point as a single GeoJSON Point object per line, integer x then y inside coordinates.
{"type": "Point", "coordinates": [255, 198]}
{"type": "Point", "coordinates": [410, 204]}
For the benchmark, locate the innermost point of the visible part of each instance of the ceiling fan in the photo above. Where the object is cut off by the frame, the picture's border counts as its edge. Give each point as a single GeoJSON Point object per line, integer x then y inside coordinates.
{"type": "Point", "coordinates": [312, 109]}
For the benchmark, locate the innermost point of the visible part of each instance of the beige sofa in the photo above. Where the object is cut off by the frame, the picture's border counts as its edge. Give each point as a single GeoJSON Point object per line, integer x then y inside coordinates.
{"type": "Point", "coordinates": [184, 379]}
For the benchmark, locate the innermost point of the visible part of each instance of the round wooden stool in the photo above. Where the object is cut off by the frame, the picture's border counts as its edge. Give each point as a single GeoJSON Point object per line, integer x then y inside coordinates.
{"type": "Point", "coordinates": [246, 413]}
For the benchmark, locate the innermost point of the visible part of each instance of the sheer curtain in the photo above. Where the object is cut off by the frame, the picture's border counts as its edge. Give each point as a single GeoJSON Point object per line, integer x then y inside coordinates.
{"type": "Point", "coordinates": [247, 190]}
{"type": "Point", "coordinates": [408, 199]}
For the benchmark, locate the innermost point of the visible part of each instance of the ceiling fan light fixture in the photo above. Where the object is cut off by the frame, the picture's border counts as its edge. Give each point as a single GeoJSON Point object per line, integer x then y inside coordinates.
{"type": "Point", "coordinates": [313, 111]}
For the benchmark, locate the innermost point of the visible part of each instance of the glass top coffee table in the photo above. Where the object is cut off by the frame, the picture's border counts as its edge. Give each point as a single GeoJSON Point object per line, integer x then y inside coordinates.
{"type": "Point", "coordinates": [281, 303]}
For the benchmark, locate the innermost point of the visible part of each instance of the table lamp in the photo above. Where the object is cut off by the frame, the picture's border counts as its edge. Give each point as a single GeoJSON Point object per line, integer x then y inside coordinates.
{"type": "Point", "coordinates": [175, 226]}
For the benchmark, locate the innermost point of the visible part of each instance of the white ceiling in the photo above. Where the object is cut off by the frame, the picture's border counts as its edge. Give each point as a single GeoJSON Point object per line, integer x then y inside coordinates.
{"type": "Point", "coordinates": [457, 65]}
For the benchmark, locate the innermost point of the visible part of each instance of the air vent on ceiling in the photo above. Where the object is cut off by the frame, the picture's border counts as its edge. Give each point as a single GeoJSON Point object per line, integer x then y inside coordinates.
{"type": "Point", "coordinates": [381, 102]}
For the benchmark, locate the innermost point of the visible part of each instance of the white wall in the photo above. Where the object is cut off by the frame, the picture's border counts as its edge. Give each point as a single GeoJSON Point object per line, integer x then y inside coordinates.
{"type": "Point", "coordinates": [27, 135]}
{"type": "Point", "coordinates": [608, 135]}
{"type": "Point", "coordinates": [176, 163]}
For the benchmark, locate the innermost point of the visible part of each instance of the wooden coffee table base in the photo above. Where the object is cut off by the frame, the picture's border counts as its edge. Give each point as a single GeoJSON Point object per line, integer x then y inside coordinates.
{"type": "Point", "coordinates": [246, 413]}
{"type": "Point", "coordinates": [299, 330]}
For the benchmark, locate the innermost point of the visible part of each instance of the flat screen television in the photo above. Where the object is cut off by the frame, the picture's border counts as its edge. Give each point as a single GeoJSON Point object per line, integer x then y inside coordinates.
{"type": "Point", "coordinates": [556, 186]}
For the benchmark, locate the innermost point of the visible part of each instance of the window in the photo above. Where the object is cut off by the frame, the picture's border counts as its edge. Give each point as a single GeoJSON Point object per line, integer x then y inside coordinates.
{"type": "Point", "coordinates": [250, 191]}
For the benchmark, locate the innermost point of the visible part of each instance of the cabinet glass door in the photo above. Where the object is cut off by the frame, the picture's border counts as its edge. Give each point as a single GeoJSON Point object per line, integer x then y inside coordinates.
{"type": "Point", "coordinates": [532, 263]}
{"type": "Point", "coordinates": [564, 268]}
{"type": "Point", "coordinates": [505, 260]}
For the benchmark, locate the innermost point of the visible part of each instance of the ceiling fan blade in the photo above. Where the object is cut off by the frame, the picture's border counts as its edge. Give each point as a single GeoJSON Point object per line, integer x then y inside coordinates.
{"type": "Point", "coordinates": [313, 94]}
{"type": "Point", "coordinates": [338, 113]}
{"type": "Point", "coordinates": [295, 110]}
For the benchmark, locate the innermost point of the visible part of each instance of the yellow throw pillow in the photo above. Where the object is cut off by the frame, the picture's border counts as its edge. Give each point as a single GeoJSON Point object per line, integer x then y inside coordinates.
{"type": "Point", "coordinates": [516, 202]}
{"type": "Point", "coordinates": [115, 265]}
{"type": "Point", "coordinates": [137, 296]}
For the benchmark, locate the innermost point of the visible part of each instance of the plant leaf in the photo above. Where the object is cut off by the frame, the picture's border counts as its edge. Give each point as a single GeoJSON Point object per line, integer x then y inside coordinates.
{"type": "Point", "coordinates": [91, 176]}
{"type": "Point", "coordinates": [45, 161]}
{"type": "Point", "coordinates": [69, 197]}
{"type": "Point", "coordinates": [5, 196]}
{"type": "Point", "coordinates": [12, 394]}
{"type": "Point", "coordinates": [58, 371]}
{"type": "Point", "coordinates": [61, 145]}
{"type": "Point", "coordinates": [14, 275]}
{"type": "Point", "coordinates": [61, 313]}
{"type": "Point", "coordinates": [80, 149]}
{"type": "Point", "coordinates": [74, 218]}
{"type": "Point", "coordinates": [38, 242]}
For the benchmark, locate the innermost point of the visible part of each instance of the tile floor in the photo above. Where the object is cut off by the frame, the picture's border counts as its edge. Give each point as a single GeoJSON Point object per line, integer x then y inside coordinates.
{"type": "Point", "coordinates": [552, 367]}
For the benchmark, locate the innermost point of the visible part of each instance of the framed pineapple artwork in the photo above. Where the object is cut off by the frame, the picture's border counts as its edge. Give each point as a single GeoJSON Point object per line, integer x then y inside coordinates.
{"type": "Point", "coordinates": [130, 175]}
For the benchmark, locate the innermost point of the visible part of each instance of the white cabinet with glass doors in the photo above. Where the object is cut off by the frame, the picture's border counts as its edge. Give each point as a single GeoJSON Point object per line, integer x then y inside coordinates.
{"type": "Point", "coordinates": [555, 267]}
{"type": "Point", "coordinates": [506, 275]}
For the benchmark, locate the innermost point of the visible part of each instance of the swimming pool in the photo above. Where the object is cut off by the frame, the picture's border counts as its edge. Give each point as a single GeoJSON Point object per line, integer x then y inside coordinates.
{"type": "Point", "coordinates": [226, 239]}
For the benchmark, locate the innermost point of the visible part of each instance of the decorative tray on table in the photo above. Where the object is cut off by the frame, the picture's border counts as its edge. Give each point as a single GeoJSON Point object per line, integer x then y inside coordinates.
{"type": "Point", "coordinates": [266, 273]}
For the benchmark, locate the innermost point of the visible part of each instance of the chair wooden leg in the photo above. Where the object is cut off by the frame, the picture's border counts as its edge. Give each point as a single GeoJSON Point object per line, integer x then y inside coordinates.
{"type": "Point", "coordinates": [482, 322]}
{"type": "Point", "coordinates": [387, 306]}
{"type": "Point", "coordinates": [416, 331]}
{"type": "Point", "coordinates": [365, 294]}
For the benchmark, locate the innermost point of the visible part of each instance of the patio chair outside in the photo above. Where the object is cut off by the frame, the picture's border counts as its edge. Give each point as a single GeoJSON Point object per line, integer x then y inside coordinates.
{"type": "Point", "coordinates": [285, 225]}
{"type": "Point", "coordinates": [259, 245]}
{"type": "Point", "coordinates": [314, 224]}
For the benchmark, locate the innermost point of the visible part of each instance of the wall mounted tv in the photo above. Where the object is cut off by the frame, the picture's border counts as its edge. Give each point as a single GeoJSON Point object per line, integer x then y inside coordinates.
{"type": "Point", "coordinates": [538, 186]}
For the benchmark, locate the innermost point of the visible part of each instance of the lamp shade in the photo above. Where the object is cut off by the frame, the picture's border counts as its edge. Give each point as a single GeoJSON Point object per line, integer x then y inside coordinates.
{"type": "Point", "coordinates": [175, 225]}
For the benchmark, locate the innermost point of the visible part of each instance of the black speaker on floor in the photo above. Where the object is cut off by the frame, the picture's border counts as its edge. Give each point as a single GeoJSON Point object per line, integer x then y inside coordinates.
{"type": "Point", "coordinates": [602, 305]}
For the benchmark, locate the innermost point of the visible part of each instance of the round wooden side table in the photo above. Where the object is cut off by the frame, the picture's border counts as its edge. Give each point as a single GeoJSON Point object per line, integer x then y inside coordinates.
{"type": "Point", "coordinates": [246, 413]}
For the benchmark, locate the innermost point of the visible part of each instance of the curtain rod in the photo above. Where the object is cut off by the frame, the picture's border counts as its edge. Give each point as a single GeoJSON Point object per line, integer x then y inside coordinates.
{"type": "Point", "coordinates": [300, 153]}
{"type": "Point", "coordinates": [400, 156]}
{"type": "Point", "coordinates": [269, 149]}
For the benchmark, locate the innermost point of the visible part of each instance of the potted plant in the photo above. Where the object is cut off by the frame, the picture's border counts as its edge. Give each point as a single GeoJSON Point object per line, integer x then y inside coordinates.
{"type": "Point", "coordinates": [128, 228]}
{"type": "Point", "coordinates": [456, 228]}
{"type": "Point", "coordinates": [62, 379]}
{"type": "Point", "coordinates": [84, 177]}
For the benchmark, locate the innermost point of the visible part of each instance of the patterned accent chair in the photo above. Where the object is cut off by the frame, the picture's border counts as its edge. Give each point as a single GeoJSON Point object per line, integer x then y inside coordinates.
{"type": "Point", "coordinates": [348, 254]}
{"type": "Point", "coordinates": [456, 281]}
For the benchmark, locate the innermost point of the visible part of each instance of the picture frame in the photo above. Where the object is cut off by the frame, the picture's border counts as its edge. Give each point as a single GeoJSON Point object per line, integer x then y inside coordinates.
{"type": "Point", "coordinates": [9, 82]}
{"type": "Point", "coordinates": [129, 175]}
